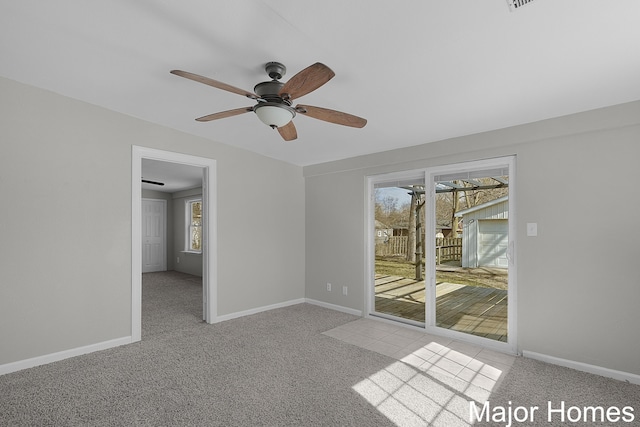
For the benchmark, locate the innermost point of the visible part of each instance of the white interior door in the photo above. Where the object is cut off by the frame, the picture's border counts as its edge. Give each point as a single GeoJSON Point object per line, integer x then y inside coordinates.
{"type": "Point", "coordinates": [154, 214]}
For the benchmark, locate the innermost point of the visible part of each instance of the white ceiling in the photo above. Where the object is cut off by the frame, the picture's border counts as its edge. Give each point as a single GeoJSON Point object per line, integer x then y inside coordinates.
{"type": "Point", "coordinates": [174, 176]}
{"type": "Point", "coordinates": [418, 70]}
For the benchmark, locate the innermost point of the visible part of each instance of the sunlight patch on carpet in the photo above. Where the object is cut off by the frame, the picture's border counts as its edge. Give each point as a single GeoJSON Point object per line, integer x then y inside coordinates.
{"type": "Point", "coordinates": [434, 384]}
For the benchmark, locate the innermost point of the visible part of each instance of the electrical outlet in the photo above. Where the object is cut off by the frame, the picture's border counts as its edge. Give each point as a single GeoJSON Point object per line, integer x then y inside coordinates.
{"type": "Point", "coordinates": [345, 290]}
{"type": "Point", "coordinates": [178, 260]}
{"type": "Point", "coordinates": [328, 287]}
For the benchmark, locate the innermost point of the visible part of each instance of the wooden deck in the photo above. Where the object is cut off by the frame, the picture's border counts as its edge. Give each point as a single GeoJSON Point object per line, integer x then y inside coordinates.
{"type": "Point", "coordinates": [472, 309]}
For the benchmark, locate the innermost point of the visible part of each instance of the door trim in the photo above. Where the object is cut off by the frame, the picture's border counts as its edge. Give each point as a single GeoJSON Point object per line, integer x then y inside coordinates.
{"type": "Point", "coordinates": [209, 247]}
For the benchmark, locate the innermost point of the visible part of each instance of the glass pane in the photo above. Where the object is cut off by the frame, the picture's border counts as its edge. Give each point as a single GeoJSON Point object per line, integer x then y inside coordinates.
{"type": "Point", "coordinates": [472, 270]}
{"type": "Point", "coordinates": [196, 239]}
{"type": "Point", "coordinates": [399, 249]}
{"type": "Point", "coordinates": [196, 213]}
{"type": "Point", "coordinates": [195, 229]}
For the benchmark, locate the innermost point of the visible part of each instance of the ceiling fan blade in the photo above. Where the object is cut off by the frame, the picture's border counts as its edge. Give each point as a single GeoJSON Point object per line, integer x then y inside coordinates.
{"type": "Point", "coordinates": [224, 114]}
{"type": "Point", "coordinates": [288, 132]}
{"type": "Point", "coordinates": [331, 116]}
{"type": "Point", "coordinates": [214, 83]}
{"type": "Point", "coordinates": [307, 80]}
{"type": "Point", "coordinates": [146, 181]}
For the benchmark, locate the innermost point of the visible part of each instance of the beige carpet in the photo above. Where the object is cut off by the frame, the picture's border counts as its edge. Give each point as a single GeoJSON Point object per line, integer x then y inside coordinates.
{"type": "Point", "coordinates": [270, 369]}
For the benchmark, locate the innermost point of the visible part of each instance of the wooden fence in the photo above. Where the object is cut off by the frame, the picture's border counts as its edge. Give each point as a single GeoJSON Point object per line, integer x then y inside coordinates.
{"type": "Point", "coordinates": [447, 248]}
{"type": "Point", "coordinates": [395, 245]}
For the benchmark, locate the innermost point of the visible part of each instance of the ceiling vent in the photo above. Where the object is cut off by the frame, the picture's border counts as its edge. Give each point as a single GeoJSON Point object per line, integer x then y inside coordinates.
{"type": "Point", "coordinates": [517, 4]}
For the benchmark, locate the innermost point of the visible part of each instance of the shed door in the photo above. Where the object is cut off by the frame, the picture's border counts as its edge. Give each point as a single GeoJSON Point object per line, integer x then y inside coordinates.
{"type": "Point", "coordinates": [493, 242]}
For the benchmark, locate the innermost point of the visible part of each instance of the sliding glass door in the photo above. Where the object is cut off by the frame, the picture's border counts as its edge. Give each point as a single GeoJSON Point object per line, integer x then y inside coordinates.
{"type": "Point", "coordinates": [441, 250]}
{"type": "Point", "coordinates": [470, 254]}
{"type": "Point", "coordinates": [398, 220]}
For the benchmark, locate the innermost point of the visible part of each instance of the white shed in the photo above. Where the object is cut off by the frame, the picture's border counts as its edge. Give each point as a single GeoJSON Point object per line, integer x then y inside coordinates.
{"type": "Point", "coordinates": [485, 234]}
{"type": "Point", "coordinates": [382, 232]}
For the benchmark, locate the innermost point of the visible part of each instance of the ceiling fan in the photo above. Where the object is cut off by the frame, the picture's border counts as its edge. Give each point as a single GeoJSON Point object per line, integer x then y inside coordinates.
{"type": "Point", "coordinates": [274, 98]}
{"type": "Point", "coordinates": [146, 181]}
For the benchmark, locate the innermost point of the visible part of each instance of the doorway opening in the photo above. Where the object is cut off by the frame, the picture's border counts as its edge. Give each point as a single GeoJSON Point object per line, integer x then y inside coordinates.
{"type": "Point", "coordinates": [206, 230]}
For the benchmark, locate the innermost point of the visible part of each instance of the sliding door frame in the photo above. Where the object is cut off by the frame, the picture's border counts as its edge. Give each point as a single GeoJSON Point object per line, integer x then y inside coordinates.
{"type": "Point", "coordinates": [430, 315]}
{"type": "Point", "coordinates": [370, 294]}
{"type": "Point", "coordinates": [430, 231]}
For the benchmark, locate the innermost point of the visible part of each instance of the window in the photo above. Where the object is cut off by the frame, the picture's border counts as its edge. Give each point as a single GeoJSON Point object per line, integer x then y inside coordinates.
{"type": "Point", "coordinates": [194, 225]}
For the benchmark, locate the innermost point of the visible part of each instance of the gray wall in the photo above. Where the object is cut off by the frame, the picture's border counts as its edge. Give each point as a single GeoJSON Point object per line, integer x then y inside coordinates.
{"type": "Point", "coordinates": [577, 177]}
{"type": "Point", "coordinates": [65, 225]}
{"type": "Point", "coordinates": [65, 222]}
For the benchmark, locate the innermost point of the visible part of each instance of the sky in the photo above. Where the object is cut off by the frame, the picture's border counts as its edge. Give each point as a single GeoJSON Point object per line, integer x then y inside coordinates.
{"type": "Point", "coordinates": [400, 194]}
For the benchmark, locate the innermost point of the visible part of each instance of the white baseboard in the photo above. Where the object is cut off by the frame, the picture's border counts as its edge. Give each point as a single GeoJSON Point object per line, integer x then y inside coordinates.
{"type": "Point", "coordinates": [54, 357]}
{"type": "Point", "coordinates": [61, 355]}
{"type": "Point", "coordinates": [334, 307]}
{"type": "Point", "coordinates": [286, 304]}
{"type": "Point", "coordinates": [257, 310]}
{"type": "Point", "coordinates": [584, 367]}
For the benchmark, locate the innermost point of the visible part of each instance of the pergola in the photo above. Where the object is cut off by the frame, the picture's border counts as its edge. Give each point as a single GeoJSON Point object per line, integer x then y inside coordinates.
{"type": "Point", "coordinates": [452, 186]}
{"type": "Point", "coordinates": [461, 185]}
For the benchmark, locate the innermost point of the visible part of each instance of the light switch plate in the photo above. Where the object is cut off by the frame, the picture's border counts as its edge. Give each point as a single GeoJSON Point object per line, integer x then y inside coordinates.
{"type": "Point", "coordinates": [532, 229]}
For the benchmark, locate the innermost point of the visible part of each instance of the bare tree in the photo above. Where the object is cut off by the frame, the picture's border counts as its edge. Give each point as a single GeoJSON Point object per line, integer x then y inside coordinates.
{"type": "Point", "coordinates": [388, 204]}
{"type": "Point", "coordinates": [473, 197]}
{"type": "Point", "coordinates": [411, 241]}
{"type": "Point", "coordinates": [478, 197]}
{"type": "Point", "coordinates": [454, 209]}
{"type": "Point", "coordinates": [419, 253]}
{"type": "Point", "coordinates": [443, 209]}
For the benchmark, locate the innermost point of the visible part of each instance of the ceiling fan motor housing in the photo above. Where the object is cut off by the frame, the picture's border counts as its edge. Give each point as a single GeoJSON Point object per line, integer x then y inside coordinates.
{"type": "Point", "coordinates": [269, 91]}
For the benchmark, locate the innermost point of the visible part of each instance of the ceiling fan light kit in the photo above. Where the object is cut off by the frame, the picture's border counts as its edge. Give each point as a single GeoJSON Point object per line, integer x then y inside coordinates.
{"type": "Point", "coordinates": [274, 114]}
{"type": "Point", "coordinates": [274, 98]}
